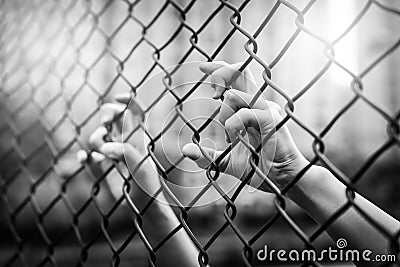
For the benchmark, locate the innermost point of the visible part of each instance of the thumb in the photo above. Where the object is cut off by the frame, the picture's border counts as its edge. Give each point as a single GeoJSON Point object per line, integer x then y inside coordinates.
{"type": "Point", "coordinates": [128, 155]}
{"type": "Point", "coordinates": [193, 152]}
{"type": "Point", "coordinates": [129, 100]}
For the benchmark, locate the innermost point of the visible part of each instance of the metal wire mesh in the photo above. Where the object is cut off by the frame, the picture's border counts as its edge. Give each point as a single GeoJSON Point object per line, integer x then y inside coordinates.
{"type": "Point", "coordinates": [26, 25]}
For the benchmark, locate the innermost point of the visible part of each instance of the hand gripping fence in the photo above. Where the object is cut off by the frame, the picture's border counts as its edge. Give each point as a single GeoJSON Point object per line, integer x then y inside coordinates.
{"type": "Point", "coordinates": [82, 40]}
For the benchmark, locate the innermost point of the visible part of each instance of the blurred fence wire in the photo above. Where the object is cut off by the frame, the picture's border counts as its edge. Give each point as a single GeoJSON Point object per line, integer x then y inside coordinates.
{"type": "Point", "coordinates": [61, 60]}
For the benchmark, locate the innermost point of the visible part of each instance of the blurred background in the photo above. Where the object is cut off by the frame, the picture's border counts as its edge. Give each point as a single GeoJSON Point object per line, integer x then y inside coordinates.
{"type": "Point", "coordinates": [60, 60]}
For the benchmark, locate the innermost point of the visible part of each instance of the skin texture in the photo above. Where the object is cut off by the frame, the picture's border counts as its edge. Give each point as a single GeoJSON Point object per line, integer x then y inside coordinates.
{"type": "Point", "coordinates": [318, 192]}
{"type": "Point", "coordinates": [159, 220]}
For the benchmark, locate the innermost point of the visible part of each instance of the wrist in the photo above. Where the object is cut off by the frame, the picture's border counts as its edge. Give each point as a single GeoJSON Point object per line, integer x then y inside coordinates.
{"type": "Point", "coordinates": [288, 160]}
{"type": "Point", "coordinates": [286, 169]}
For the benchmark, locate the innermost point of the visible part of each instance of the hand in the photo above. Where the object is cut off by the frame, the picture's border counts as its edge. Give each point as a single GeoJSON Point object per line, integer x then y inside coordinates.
{"type": "Point", "coordinates": [279, 159]}
{"type": "Point", "coordinates": [159, 220]}
{"type": "Point", "coordinates": [131, 153]}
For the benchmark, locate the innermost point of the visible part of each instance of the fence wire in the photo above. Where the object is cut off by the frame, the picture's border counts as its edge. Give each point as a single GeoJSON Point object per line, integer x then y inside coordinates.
{"type": "Point", "coordinates": [25, 25]}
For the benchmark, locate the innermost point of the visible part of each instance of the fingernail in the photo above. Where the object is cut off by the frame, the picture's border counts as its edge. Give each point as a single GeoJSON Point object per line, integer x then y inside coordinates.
{"type": "Point", "coordinates": [124, 97]}
{"type": "Point", "coordinates": [96, 157]}
{"type": "Point", "coordinates": [82, 155]}
{"type": "Point", "coordinates": [105, 119]}
{"type": "Point", "coordinates": [102, 150]}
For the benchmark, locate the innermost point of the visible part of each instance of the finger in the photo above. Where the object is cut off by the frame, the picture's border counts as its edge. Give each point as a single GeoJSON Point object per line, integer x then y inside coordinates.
{"type": "Point", "coordinates": [96, 139]}
{"type": "Point", "coordinates": [240, 80]}
{"type": "Point", "coordinates": [217, 81]}
{"type": "Point", "coordinates": [235, 100]}
{"type": "Point", "coordinates": [222, 78]}
{"type": "Point", "coordinates": [127, 153]}
{"type": "Point", "coordinates": [94, 157]}
{"type": "Point", "coordinates": [245, 117]}
{"type": "Point", "coordinates": [92, 160]}
{"type": "Point", "coordinates": [193, 152]}
{"type": "Point", "coordinates": [128, 99]}
{"type": "Point", "coordinates": [245, 81]}
{"type": "Point", "coordinates": [82, 156]}
{"type": "Point", "coordinates": [219, 84]}
{"type": "Point", "coordinates": [113, 150]}
{"type": "Point", "coordinates": [110, 111]}
{"type": "Point", "coordinates": [228, 73]}
{"type": "Point", "coordinates": [210, 67]}
{"type": "Point", "coordinates": [224, 75]}
{"type": "Point", "coordinates": [123, 98]}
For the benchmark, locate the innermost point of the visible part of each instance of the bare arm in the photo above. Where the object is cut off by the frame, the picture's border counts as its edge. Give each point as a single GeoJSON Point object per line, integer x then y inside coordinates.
{"type": "Point", "coordinates": [159, 220]}
{"type": "Point", "coordinates": [320, 194]}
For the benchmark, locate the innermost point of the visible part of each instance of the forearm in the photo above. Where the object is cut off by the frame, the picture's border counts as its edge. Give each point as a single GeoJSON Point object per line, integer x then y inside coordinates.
{"type": "Point", "coordinates": [159, 220]}
{"type": "Point", "coordinates": [320, 194]}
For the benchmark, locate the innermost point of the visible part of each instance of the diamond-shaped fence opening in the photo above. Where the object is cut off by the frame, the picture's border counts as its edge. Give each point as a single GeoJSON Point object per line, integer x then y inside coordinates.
{"type": "Point", "coordinates": [332, 66]}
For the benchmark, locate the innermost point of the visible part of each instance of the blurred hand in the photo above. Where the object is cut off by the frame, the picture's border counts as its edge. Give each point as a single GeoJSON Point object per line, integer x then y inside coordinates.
{"type": "Point", "coordinates": [131, 153]}
{"type": "Point", "coordinates": [280, 159]}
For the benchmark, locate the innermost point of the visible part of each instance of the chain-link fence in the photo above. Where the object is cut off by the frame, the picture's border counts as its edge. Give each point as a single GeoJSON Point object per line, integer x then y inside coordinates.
{"type": "Point", "coordinates": [61, 60]}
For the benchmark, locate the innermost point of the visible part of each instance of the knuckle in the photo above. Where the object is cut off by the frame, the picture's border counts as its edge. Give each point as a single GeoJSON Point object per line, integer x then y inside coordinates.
{"type": "Point", "coordinates": [246, 114]}
{"type": "Point", "coordinates": [97, 136]}
{"type": "Point", "coordinates": [92, 139]}
{"type": "Point", "coordinates": [217, 80]}
{"type": "Point", "coordinates": [221, 64]}
{"type": "Point", "coordinates": [105, 107]}
{"type": "Point", "coordinates": [230, 96]}
{"type": "Point", "coordinates": [227, 72]}
{"type": "Point", "coordinates": [229, 126]}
